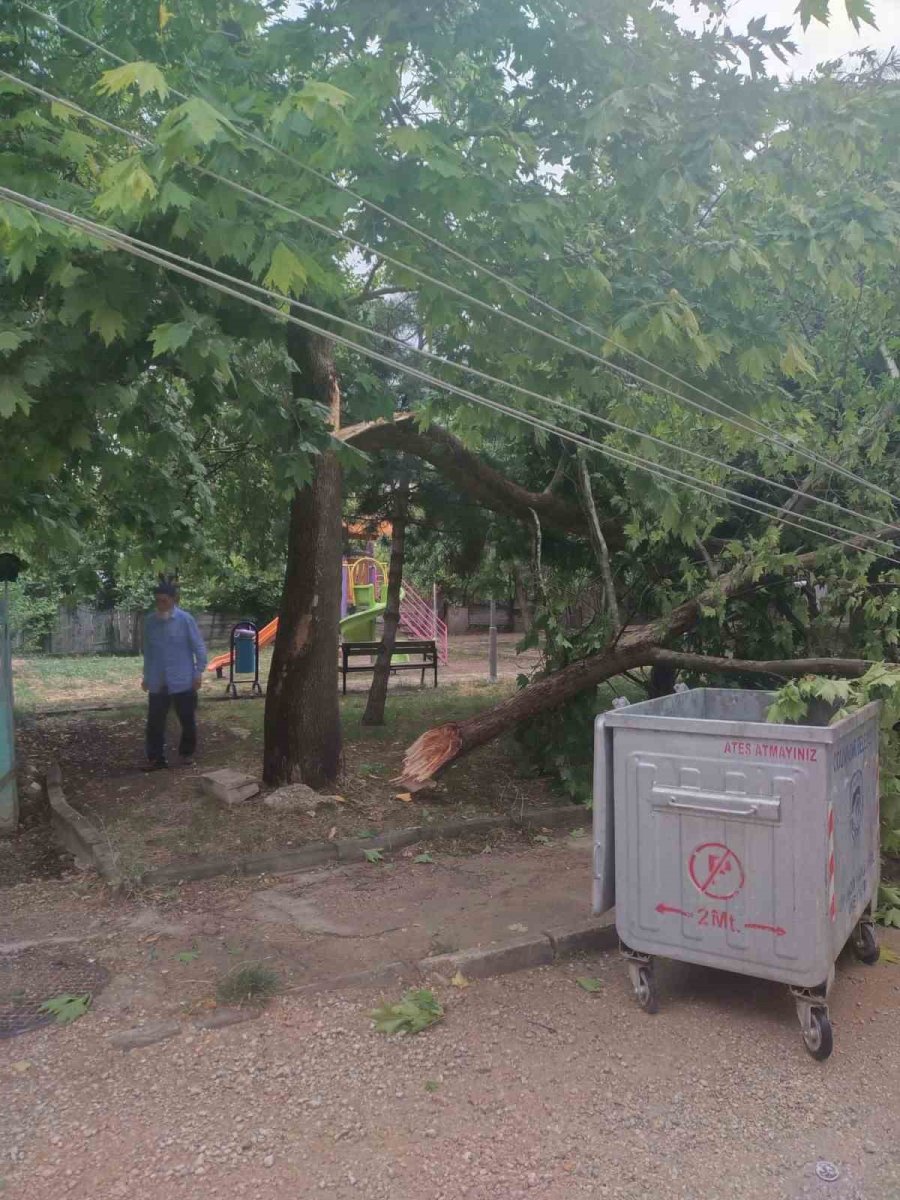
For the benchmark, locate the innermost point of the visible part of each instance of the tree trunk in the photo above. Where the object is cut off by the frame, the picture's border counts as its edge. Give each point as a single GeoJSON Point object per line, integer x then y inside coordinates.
{"type": "Point", "coordinates": [374, 714]}
{"type": "Point", "coordinates": [302, 719]}
{"type": "Point", "coordinates": [598, 541]}
{"type": "Point", "coordinates": [522, 601]}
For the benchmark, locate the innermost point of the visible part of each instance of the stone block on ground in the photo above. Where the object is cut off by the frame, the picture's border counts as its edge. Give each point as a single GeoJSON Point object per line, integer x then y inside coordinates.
{"type": "Point", "coordinates": [229, 786]}
{"type": "Point", "coordinates": [298, 798]}
{"type": "Point", "coordinates": [145, 1035]}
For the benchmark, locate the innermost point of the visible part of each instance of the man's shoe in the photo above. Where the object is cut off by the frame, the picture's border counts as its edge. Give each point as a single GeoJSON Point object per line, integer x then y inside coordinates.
{"type": "Point", "coordinates": [155, 764]}
{"type": "Point", "coordinates": [186, 760]}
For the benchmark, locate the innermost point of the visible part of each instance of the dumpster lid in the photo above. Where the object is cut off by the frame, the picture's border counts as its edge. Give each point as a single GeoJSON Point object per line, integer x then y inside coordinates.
{"type": "Point", "coordinates": [734, 711]}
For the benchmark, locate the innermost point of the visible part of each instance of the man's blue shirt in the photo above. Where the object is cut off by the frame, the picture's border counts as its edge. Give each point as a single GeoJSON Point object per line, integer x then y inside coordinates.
{"type": "Point", "coordinates": [174, 653]}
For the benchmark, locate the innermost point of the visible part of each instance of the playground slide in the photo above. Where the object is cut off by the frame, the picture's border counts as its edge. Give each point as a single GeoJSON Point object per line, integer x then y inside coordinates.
{"type": "Point", "coordinates": [360, 626]}
{"type": "Point", "coordinates": [266, 635]}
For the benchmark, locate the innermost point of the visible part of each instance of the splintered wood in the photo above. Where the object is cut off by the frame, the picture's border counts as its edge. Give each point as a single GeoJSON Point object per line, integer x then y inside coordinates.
{"type": "Point", "coordinates": [428, 754]}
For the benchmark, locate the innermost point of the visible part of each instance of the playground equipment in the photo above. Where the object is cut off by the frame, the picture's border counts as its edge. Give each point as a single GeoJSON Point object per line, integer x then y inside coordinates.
{"type": "Point", "coordinates": [363, 595]}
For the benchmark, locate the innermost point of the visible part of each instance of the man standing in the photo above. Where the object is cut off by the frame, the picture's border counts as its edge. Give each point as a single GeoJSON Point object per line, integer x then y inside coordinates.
{"type": "Point", "coordinates": [174, 662]}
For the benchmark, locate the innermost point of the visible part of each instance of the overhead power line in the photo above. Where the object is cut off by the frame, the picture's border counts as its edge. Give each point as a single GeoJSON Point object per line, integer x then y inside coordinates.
{"type": "Point", "coordinates": [115, 239]}
{"type": "Point", "coordinates": [744, 422]}
{"type": "Point", "coordinates": [483, 376]}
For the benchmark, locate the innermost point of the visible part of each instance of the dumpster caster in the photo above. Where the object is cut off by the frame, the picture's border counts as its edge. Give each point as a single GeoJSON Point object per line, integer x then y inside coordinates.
{"type": "Point", "coordinates": [812, 1013]}
{"type": "Point", "coordinates": [643, 979]}
{"type": "Point", "coordinates": [256, 690]}
{"type": "Point", "coordinates": [817, 1036]}
{"type": "Point", "coordinates": [864, 943]}
{"type": "Point", "coordinates": [231, 691]}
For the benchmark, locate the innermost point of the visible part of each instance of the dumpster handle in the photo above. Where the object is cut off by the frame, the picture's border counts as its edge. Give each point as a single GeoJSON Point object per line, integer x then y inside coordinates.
{"type": "Point", "coordinates": [749, 811]}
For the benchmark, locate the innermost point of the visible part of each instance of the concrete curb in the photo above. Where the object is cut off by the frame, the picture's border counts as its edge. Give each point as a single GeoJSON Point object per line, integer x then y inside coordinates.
{"type": "Point", "coordinates": [89, 848]}
{"type": "Point", "coordinates": [346, 850]}
{"type": "Point", "coordinates": [484, 962]}
{"type": "Point", "coordinates": [76, 834]}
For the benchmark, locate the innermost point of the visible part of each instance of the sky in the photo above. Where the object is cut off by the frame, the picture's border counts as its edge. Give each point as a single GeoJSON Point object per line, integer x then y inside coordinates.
{"type": "Point", "coordinates": [820, 42]}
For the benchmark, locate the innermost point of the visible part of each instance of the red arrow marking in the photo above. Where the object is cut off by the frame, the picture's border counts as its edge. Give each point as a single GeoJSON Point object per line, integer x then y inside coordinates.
{"type": "Point", "coordinates": [776, 929]}
{"type": "Point", "coordinates": [667, 908]}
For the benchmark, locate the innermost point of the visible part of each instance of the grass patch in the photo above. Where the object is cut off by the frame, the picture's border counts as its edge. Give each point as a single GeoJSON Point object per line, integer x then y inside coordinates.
{"type": "Point", "coordinates": [252, 984]}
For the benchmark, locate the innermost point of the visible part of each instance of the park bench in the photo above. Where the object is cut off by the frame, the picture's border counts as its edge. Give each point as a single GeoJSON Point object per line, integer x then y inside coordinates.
{"type": "Point", "coordinates": [427, 649]}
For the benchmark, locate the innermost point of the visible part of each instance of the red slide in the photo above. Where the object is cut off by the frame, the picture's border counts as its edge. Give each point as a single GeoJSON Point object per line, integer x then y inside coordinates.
{"type": "Point", "coordinates": [266, 635]}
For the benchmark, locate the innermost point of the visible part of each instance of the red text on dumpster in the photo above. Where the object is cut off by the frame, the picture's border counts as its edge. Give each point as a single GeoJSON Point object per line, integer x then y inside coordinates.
{"type": "Point", "coordinates": [717, 918]}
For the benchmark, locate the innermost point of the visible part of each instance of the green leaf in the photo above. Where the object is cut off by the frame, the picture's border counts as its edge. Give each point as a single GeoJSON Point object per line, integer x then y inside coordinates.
{"type": "Point", "coordinates": [126, 185]}
{"type": "Point", "coordinates": [431, 1086]}
{"type": "Point", "coordinates": [190, 125]}
{"type": "Point", "coordinates": [66, 1008]}
{"type": "Point", "coordinates": [373, 856]}
{"type": "Point", "coordinates": [808, 9]}
{"type": "Point", "coordinates": [12, 339]}
{"type": "Point", "coordinates": [107, 322]}
{"type": "Point", "coordinates": [417, 1010]}
{"type": "Point", "coordinates": [13, 395]}
{"type": "Point", "coordinates": [286, 272]}
{"type": "Point", "coordinates": [794, 362]}
{"type": "Point", "coordinates": [423, 858]}
{"type": "Point", "coordinates": [588, 984]}
{"type": "Point", "coordinates": [325, 93]}
{"type": "Point", "coordinates": [145, 76]}
{"type": "Point", "coordinates": [187, 956]}
{"type": "Point", "coordinates": [859, 12]}
{"type": "Point", "coordinates": [171, 336]}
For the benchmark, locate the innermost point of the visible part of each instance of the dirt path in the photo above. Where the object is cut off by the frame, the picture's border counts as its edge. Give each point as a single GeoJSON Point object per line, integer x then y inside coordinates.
{"type": "Point", "coordinates": [530, 1087]}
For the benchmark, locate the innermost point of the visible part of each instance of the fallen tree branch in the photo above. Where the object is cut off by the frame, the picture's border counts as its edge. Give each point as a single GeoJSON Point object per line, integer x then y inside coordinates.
{"type": "Point", "coordinates": [637, 646]}
{"type": "Point", "coordinates": [472, 476]}
{"type": "Point", "coordinates": [790, 668]}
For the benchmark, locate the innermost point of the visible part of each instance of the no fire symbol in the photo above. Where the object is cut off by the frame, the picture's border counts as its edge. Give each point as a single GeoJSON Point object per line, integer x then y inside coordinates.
{"type": "Point", "coordinates": [716, 871]}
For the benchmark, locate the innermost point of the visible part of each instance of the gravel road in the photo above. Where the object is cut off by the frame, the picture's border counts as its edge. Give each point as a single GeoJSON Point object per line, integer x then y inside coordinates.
{"type": "Point", "coordinates": [531, 1087]}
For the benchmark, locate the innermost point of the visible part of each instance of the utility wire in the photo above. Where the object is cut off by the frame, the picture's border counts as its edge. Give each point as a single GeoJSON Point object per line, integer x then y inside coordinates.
{"type": "Point", "coordinates": [655, 469]}
{"type": "Point", "coordinates": [129, 240]}
{"type": "Point", "coordinates": [769, 433]}
{"type": "Point", "coordinates": [142, 141]}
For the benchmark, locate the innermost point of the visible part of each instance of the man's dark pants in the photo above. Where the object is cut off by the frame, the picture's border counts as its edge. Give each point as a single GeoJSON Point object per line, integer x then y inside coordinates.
{"type": "Point", "coordinates": [186, 707]}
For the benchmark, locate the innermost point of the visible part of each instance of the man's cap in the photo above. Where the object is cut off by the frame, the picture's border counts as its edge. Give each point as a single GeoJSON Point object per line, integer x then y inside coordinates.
{"type": "Point", "coordinates": [166, 587]}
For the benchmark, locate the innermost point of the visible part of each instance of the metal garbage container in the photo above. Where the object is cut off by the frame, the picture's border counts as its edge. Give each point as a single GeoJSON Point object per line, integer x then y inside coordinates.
{"type": "Point", "coordinates": [244, 651]}
{"type": "Point", "coordinates": [728, 841]}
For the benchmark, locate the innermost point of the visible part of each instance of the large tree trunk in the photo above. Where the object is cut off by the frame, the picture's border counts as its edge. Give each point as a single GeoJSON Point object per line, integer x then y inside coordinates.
{"type": "Point", "coordinates": [523, 602]}
{"type": "Point", "coordinates": [302, 720]}
{"type": "Point", "coordinates": [374, 714]}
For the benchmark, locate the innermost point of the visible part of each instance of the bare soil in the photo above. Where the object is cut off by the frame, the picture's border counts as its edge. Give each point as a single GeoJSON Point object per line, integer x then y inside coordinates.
{"type": "Point", "coordinates": [164, 819]}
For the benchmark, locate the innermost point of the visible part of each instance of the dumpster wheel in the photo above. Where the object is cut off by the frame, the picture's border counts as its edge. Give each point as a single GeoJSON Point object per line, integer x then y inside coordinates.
{"type": "Point", "coordinates": [818, 1036]}
{"type": "Point", "coordinates": [643, 979]}
{"type": "Point", "coordinates": [864, 943]}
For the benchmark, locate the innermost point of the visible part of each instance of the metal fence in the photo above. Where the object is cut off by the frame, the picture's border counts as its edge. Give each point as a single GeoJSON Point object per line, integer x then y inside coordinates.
{"type": "Point", "coordinates": [85, 630]}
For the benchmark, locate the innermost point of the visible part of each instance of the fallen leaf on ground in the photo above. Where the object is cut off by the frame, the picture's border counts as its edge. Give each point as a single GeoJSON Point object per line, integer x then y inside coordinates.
{"type": "Point", "coordinates": [588, 984]}
{"type": "Point", "coordinates": [459, 980]}
{"type": "Point", "coordinates": [404, 797]}
{"type": "Point", "coordinates": [23, 1065]}
{"type": "Point", "coordinates": [518, 927]}
{"type": "Point", "coordinates": [889, 956]}
{"type": "Point", "coordinates": [423, 858]}
{"type": "Point", "coordinates": [332, 833]}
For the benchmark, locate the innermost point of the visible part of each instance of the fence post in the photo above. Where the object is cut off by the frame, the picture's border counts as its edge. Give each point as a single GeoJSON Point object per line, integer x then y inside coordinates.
{"type": "Point", "coordinates": [492, 644]}
{"type": "Point", "coordinates": [9, 796]}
